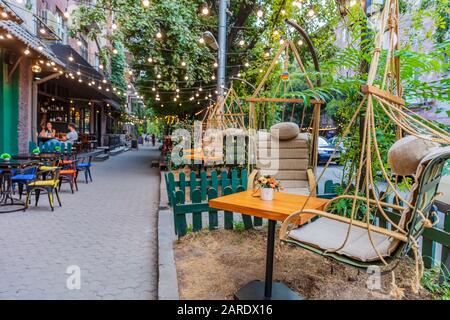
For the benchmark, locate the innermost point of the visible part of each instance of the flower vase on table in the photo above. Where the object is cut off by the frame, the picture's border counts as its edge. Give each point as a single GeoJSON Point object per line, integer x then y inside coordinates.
{"type": "Point", "coordinates": [267, 185]}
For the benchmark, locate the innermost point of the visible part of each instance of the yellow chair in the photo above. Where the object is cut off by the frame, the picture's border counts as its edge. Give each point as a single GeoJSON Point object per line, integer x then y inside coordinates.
{"type": "Point", "coordinates": [48, 185]}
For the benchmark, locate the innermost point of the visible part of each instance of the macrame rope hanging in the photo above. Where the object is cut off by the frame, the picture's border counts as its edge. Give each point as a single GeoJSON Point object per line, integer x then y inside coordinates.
{"type": "Point", "coordinates": [386, 95]}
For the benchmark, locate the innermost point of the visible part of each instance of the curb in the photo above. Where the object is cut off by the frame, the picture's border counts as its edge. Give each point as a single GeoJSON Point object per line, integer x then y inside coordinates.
{"type": "Point", "coordinates": [167, 272]}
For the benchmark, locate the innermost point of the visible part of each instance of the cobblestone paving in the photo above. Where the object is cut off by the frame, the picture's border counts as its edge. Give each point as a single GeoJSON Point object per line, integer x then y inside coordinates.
{"type": "Point", "coordinates": [107, 229]}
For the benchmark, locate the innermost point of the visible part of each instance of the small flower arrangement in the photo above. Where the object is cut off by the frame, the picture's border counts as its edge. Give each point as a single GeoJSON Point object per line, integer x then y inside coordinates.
{"type": "Point", "coordinates": [268, 182]}
{"type": "Point", "coordinates": [5, 156]}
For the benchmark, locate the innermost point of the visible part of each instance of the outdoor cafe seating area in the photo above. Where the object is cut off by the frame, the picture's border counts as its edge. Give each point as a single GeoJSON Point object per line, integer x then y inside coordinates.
{"type": "Point", "coordinates": [51, 171]}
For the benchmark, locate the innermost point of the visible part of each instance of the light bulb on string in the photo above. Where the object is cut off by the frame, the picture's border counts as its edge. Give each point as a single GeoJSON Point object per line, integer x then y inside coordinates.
{"type": "Point", "coordinates": [42, 30]}
{"type": "Point", "coordinates": [115, 51]}
{"type": "Point", "coordinates": [4, 15]}
{"type": "Point", "coordinates": [27, 51]}
{"type": "Point", "coordinates": [70, 58]}
{"type": "Point", "coordinates": [300, 42]}
{"type": "Point", "coordinates": [150, 59]}
{"type": "Point", "coordinates": [158, 76]}
{"type": "Point", "coordinates": [205, 10]}
{"type": "Point", "coordinates": [352, 3]}
{"type": "Point", "coordinates": [183, 64]}
{"type": "Point", "coordinates": [159, 35]}
{"type": "Point", "coordinates": [216, 64]}
{"type": "Point", "coordinates": [201, 40]}
{"type": "Point", "coordinates": [113, 26]}
{"type": "Point", "coordinates": [283, 12]}
{"type": "Point", "coordinates": [241, 43]}
{"type": "Point", "coordinates": [247, 64]}
{"type": "Point", "coordinates": [186, 78]}
{"type": "Point", "coordinates": [146, 3]}
{"type": "Point", "coordinates": [259, 13]}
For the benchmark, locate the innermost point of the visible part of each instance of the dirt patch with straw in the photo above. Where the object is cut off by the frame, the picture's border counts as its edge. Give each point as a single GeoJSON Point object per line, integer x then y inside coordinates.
{"type": "Point", "coordinates": [213, 265]}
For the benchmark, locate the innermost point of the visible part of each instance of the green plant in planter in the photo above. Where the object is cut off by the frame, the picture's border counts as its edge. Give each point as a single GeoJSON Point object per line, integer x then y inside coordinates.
{"type": "Point", "coordinates": [36, 150]}
{"type": "Point", "coordinates": [5, 156]}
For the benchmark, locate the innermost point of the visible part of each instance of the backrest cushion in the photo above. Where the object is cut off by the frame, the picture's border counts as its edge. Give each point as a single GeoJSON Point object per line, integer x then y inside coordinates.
{"type": "Point", "coordinates": [405, 155]}
{"type": "Point", "coordinates": [284, 130]}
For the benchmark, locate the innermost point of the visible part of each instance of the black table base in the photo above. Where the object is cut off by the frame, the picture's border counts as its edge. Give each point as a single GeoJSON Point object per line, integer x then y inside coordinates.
{"type": "Point", "coordinates": [268, 290]}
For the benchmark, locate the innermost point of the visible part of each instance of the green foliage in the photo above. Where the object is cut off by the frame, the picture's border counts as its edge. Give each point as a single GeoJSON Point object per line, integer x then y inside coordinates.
{"type": "Point", "coordinates": [433, 282]}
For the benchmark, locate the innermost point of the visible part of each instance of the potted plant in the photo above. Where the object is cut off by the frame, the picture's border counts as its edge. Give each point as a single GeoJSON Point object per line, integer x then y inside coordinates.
{"type": "Point", "coordinates": [6, 156]}
{"type": "Point", "coordinates": [267, 184]}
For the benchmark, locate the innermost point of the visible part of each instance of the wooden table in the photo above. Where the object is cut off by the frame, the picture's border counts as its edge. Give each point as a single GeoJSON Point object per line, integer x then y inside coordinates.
{"type": "Point", "coordinates": [283, 205]}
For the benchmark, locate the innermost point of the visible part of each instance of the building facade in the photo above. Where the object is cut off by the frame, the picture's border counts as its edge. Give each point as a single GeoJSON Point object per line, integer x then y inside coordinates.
{"type": "Point", "coordinates": [47, 76]}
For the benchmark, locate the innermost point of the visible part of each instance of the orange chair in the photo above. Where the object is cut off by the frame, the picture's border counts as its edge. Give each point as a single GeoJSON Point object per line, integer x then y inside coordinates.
{"type": "Point", "coordinates": [68, 173]}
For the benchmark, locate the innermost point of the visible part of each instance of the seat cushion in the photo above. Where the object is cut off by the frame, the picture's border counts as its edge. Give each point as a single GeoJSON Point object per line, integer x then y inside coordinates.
{"type": "Point", "coordinates": [47, 168]}
{"type": "Point", "coordinates": [23, 177]}
{"type": "Point", "coordinates": [84, 165]}
{"type": "Point", "coordinates": [328, 234]}
{"type": "Point", "coordinates": [42, 183]}
{"type": "Point", "coordinates": [284, 130]}
{"type": "Point", "coordinates": [67, 172]}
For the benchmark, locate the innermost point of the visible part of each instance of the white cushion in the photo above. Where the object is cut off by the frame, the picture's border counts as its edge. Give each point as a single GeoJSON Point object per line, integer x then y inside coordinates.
{"type": "Point", "coordinates": [284, 130]}
{"type": "Point", "coordinates": [328, 234]}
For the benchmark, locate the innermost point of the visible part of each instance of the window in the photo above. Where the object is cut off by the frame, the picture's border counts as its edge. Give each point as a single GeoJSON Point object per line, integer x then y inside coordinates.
{"type": "Point", "coordinates": [84, 49]}
{"type": "Point", "coordinates": [96, 61]}
{"type": "Point", "coordinates": [61, 26]}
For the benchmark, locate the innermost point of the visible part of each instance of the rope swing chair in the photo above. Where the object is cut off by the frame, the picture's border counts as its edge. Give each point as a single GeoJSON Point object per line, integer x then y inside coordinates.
{"type": "Point", "coordinates": [294, 109]}
{"type": "Point", "coordinates": [357, 238]}
{"type": "Point", "coordinates": [226, 113]}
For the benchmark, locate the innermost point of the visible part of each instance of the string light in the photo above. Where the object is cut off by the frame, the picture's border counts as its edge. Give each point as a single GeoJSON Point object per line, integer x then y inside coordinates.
{"type": "Point", "coordinates": [311, 12]}
{"type": "Point", "coordinates": [26, 51]}
{"type": "Point", "coordinates": [201, 40]}
{"type": "Point", "coordinates": [150, 59]}
{"type": "Point", "coordinates": [66, 14]}
{"type": "Point", "coordinates": [283, 12]}
{"type": "Point", "coordinates": [186, 78]}
{"type": "Point", "coordinates": [42, 30]}
{"type": "Point", "coordinates": [115, 51]}
{"type": "Point", "coordinates": [70, 58]}
{"type": "Point", "coordinates": [247, 64]}
{"type": "Point", "coordinates": [300, 42]}
{"type": "Point", "coordinates": [146, 3]}
{"type": "Point", "coordinates": [158, 76]}
{"type": "Point", "coordinates": [9, 36]}
{"type": "Point", "coordinates": [100, 67]}
{"type": "Point", "coordinates": [159, 35]}
{"type": "Point", "coordinates": [113, 26]}
{"type": "Point", "coordinates": [297, 4]}
{"type": "Point", "coordinates": [183, 64]}
{"type": "Point", "coordinates": [215, 65]}
{"type": "Point", "coordinates": [205, 10]}
{"type": "Point", "coordinates": [259, 13]}
{"type": "Point", "coordinates": [4, 15]}
{"type": "Point", "coordinates": [241, 43]}
{"type": "Point", "coordinates": [352, 3]}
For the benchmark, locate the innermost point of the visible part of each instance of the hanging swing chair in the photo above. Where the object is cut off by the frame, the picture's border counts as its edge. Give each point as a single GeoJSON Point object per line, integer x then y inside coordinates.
{"type": "Point", "coordinates": [358, 239]}
{"type": "Point", "coordinates": [289, 151]}
{"type": "Point", "coordinates": [227, 113]}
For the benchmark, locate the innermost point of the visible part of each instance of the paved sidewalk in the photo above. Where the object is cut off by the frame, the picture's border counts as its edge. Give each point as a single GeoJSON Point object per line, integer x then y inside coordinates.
{"type": "Point", "coordinates": [107, 230]}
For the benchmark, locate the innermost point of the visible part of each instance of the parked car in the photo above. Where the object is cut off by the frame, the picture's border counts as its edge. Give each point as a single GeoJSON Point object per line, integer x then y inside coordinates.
{"type": "Point", "coordinates": [326, 151]}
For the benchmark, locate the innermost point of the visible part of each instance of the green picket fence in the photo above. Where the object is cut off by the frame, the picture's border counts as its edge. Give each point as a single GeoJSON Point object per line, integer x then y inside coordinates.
{"type": "Point", "coordinates": [202, 189]}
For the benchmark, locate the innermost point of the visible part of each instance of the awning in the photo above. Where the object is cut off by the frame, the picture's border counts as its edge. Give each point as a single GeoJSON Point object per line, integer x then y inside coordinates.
{"type": "Point", "coordinates": [28, 39]}
{"type": "Point", "coordinates": [6, 13]}
{"type": "Point", "coordinates": [78, 64]}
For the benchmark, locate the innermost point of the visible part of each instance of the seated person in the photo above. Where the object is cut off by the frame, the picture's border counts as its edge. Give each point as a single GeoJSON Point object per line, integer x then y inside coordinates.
{"type": "Point", "coordinates": [47, 131]}
{"type": "Point", "coordinates": [70, 137]}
